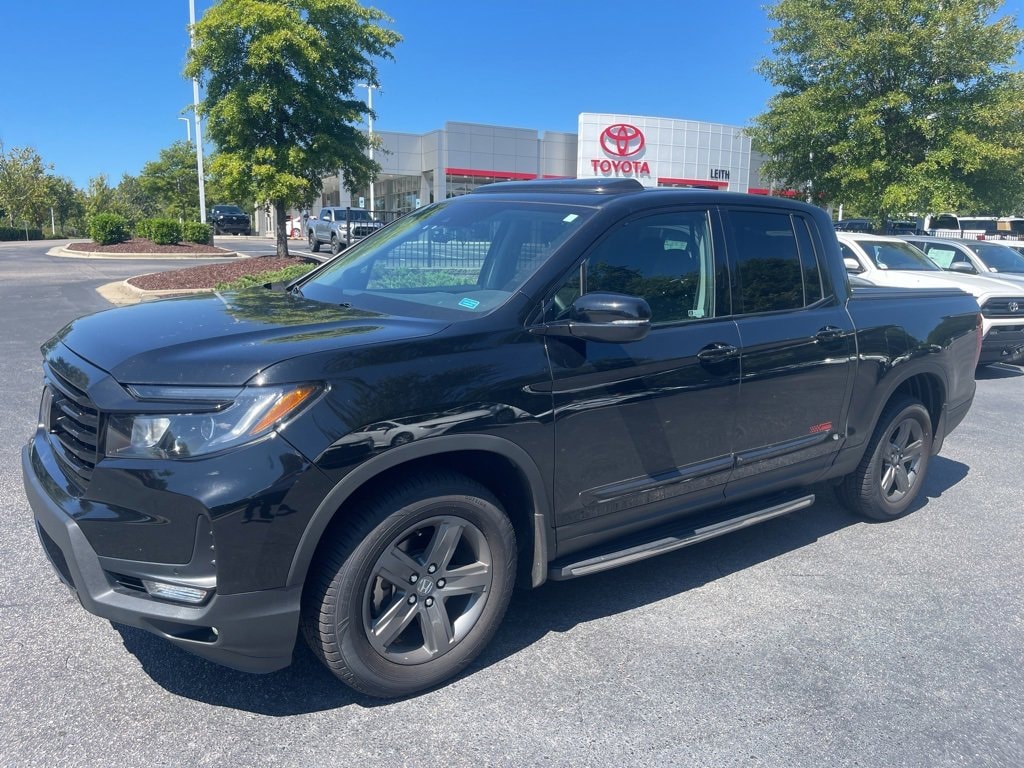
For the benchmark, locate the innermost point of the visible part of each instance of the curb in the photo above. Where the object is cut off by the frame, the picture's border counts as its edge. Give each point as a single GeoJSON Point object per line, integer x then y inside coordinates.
{"type": "Point", "coordinates": [121, 293]}
{"type": "Point", "coordinates": [64, 252]}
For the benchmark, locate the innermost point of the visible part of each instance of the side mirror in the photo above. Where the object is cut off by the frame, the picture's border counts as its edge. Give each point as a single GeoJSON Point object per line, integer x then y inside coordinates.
{"type": "Point", "coordinates": [963, 267]}
{"type": "Point", "coordinates": [852, 265]}
{"type": "Point", "coordinates": [609, 317]}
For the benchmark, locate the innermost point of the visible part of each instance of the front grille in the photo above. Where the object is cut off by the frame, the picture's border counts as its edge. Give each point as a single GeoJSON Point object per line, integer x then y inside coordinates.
{"type": "Point", "coordinates": [1004, 306]}
{"type": "Point", "coordinates": [60, 564]}
{"type": "Point", "coordinates": [363, 231]}
{"type": "Point", "coordinates": [73, 423]}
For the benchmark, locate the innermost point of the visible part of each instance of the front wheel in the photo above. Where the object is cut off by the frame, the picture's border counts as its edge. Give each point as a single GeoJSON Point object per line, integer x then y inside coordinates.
{"type": "Point", "coordinates": [314, 244]}
{"type": "Point", "coordinates": [892, 470]}
{"type": "Point", "coordinates": [337, 246]}
{"type": "Point", "coordinates": [413, 586]}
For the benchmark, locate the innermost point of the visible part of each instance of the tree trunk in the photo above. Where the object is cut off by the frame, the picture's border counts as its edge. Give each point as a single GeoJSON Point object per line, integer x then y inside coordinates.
{"type": "Point", "coordinates": [282, 234]}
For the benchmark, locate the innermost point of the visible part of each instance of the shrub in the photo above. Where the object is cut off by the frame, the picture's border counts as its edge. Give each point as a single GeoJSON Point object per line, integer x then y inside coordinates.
{"type": "Point", "coordinates": [164, 231]}
{"type": "Point", "coordinates": [280, 276]}
{"type": "Point", "coordinates": [143, 229]}
{"type": "Point", "coordinates": [108, 228]}
{"type": "Point", "coordinates": [16, 233]}
{"type": "Point", "coordinates": [196, 232]}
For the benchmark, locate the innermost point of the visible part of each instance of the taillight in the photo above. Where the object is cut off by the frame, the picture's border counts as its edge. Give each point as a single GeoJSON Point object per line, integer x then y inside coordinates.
{"type": "Point", "coordinates": [979, 333]}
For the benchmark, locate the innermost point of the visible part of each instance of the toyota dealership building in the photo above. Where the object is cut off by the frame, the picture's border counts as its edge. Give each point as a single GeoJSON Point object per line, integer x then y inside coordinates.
{"type": "Point", "coordinates": [657, 151]}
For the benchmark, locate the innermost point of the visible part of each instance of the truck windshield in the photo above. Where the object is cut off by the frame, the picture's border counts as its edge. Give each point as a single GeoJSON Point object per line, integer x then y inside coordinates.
{"type": "Point", "coordinates": [449, 259]}
{"type": "Point", "coordinates": [999, 258]}
{"type": "Point", "coordinates": [897, 255]}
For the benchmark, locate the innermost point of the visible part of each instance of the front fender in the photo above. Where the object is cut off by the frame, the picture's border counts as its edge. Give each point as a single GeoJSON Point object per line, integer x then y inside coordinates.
{"type": "Point", "coordinates": [438, 446]}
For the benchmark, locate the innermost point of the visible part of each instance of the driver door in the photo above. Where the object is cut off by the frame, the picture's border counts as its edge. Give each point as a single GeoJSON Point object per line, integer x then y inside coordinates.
{"type": "Point", "coordinates": [643, 430]}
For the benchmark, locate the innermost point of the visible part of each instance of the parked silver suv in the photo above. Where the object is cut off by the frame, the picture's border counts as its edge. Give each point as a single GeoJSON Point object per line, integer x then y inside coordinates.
{"type": "Point", "coordinates": [340, 228]}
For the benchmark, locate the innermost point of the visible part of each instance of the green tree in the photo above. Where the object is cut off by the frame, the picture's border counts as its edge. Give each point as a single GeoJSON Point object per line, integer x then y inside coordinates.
{"type": "Point", "coordinates": [100, 197]}
{"type": "Point", "coordinates": [280, 77]}
{"type": "Point", "coordinates": [68, 203]}
{"type": "Point", "coordinates": [23, 186]}
{"type": "Point", "coordinates": [171, 183]}
{"type": "Point", "coordinates": [894, 106]}
{"type": "Point", "coordinates": [133, 201]}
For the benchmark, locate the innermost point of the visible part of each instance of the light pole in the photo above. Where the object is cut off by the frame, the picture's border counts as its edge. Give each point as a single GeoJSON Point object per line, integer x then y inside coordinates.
{"type": "Point", "coordinates": [195, 112]}
{"type": "Point", "coordinates": [369, 119]}
{"type": "Point", "coordinates": [188, 129]}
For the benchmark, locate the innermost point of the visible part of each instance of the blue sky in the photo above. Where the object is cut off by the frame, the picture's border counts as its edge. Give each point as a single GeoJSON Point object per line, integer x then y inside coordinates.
{"type": "Point", "coordinates": [98, 88]}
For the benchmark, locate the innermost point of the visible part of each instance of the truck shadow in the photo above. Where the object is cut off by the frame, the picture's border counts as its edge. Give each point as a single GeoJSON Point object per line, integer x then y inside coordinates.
{"type": "Point", "coordinates": [998, 371]}
{"type": "Point", "coordinates": [306, 686]}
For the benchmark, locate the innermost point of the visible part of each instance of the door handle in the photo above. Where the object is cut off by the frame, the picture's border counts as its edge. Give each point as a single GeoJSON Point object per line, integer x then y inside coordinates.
{"type": "Point", "coordinates": [829, 333]}
{"type": "Point", "coordinates": [716, 352]}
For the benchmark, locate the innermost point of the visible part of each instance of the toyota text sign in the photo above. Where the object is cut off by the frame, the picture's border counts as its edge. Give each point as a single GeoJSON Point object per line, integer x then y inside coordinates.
{"type": "Point", "coordinates": [622, 143]}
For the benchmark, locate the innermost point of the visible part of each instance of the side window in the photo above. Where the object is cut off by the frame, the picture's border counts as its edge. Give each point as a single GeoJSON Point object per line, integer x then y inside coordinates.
{"type": "Point", "coordinates": [665, 259]}
{"type": "Point", "coordinates": [849, 254]}
{"type": "Point", "coordinates": [813, 291]}
{"type": "Point", "coordinates": [942, 256]}
{"type": "Point", "coordinates": [769, 268]}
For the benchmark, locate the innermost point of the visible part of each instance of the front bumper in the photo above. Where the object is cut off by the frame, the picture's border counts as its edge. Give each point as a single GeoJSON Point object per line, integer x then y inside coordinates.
{"type": "Point", "coordinates": [1003, 344]}
{"type": "Point", "coordinates": [233, 227]}
{"type": "Point", "coordinates": [251, 631]}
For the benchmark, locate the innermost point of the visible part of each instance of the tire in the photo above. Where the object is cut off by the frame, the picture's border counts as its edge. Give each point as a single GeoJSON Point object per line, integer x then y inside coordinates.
{"type": "Point", "coordinates": [380, 609]}
{"type": "Point", "coordinates": [314, 244]}
{"type": "Point", "coordinates": [893, 468]}
{"type": "Point", "coordinates": [336, 244]}
{"type": "Point", "coordinates": [401, 438]}
{"type": "Point", "coordinates": [216, 230]}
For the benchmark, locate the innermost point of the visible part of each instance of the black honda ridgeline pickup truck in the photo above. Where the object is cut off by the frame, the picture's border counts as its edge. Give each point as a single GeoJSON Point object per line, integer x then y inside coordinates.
{"type": "Point", "coordinates": [538, 380]}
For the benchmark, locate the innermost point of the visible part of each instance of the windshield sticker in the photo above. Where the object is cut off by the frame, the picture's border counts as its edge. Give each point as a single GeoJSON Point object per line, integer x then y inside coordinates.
{"type": "Point", "coordinates": [469, 303]}
{"type": "Point", "coordinates": [571, 218]}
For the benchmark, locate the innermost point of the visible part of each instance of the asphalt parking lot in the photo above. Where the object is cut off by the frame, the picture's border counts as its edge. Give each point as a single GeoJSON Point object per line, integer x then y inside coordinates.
{"type": "Point", "coordinates": [815, 639]}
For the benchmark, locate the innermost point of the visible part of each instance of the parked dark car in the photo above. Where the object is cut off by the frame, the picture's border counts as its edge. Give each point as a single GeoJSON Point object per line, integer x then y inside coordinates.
{"type": "Point", "coordinates": [230, 220]}
{"type": "Point", "coordinates": [853, 225]}
{"type": "Point", "coordinates": [900, 227]}
{"type": "Point", "coordinates": [590, 373]}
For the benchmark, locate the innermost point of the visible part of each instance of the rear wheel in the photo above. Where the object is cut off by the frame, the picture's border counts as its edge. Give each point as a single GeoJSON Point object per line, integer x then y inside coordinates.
{"type": "Point", "coordinates": [413, 587]}
{"type": "Point", "coordinates": [892, 470]}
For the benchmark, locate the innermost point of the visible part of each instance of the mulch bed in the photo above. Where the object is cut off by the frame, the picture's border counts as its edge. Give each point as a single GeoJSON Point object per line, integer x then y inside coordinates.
{"type": "Point", "coordinates": [210, 275]}
{"type": "Point", "coordinates": [138, 245]}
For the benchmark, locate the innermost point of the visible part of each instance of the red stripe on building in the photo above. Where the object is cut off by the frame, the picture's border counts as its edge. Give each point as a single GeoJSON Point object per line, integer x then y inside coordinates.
{"type": "Point", "coordinates": [704, 183]}
{"type": "Point", "coordinates": [492, 174]}
{"type": "Point", "coordinates": [780, 192]}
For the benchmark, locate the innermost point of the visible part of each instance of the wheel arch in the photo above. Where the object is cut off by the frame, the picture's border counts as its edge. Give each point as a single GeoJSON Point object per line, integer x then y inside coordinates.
{"type": "Point", "coordinates": [925, 382]}
{"type": "Point", "coordinates": [501, 466]}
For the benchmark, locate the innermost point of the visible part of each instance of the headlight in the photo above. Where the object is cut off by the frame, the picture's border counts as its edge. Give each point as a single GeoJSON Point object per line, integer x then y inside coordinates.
{"type": "Point", "coordinates": [220, 418]}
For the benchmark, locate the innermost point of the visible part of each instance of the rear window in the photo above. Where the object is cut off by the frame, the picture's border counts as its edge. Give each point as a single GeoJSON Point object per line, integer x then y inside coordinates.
{"type": "Point", "coordinates": [776, 262]}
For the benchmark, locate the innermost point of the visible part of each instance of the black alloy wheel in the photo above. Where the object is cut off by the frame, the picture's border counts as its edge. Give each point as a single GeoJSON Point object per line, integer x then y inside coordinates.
{"type": "Point", "coordinates": [411, 588]}
{"type": "Point", "coordinates": [892, 471]}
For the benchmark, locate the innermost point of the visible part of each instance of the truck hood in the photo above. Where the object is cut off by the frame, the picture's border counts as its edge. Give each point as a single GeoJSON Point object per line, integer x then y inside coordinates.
{"type": "Point", "coordinates": [225, 339]}
{"type": "Point", "coordinates": [977, 285]}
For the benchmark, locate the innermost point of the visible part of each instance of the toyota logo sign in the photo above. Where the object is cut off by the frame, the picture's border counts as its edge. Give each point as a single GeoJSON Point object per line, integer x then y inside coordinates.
{"type": "Point", "coordinates": [1013, 306]}
{"type": "Point", "coordinates": [622, 140]}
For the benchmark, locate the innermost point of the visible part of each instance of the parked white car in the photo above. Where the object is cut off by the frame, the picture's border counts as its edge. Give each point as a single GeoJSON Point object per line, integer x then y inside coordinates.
{"type": "Point", "coordinates": [972, 257]}
{"type": "Point", "coordinates": [893, 261]}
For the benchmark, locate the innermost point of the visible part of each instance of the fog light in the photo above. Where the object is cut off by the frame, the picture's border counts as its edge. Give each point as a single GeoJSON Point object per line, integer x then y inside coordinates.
{"type": "Point", "coordinates": [179, 593]}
